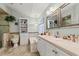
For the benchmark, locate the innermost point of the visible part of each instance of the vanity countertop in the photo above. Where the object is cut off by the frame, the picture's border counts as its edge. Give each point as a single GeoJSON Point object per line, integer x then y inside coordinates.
{"type": "Point", "coordinates": [67, 46]}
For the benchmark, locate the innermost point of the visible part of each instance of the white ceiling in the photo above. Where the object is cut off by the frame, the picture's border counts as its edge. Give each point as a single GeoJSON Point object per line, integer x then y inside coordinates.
{"type": "Point", "coordinates": [34, 10]}
{"type": "Point", "coordinates": [29, 9]}
{"type": "Point", "coordinates": [53, 7]}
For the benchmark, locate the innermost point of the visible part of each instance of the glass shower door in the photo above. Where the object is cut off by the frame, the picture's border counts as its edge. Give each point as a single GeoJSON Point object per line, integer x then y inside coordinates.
{"type": "Point", "coordinates": [3, 29]}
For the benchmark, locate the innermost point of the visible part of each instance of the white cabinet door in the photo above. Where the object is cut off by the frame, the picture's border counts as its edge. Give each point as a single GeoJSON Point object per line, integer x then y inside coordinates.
{"type": "Point", "coordinates": [41, 46]}
{"type": "Point", "coordinates": [50, 49]}
{"type": "Point", "coordinates": [44, 48]}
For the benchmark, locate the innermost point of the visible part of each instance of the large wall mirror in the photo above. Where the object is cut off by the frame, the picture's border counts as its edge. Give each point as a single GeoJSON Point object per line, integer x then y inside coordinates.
{"type": "Point", "coordinates": [68, 16]}
{"type": "Point", "coordinates": [53, 20]}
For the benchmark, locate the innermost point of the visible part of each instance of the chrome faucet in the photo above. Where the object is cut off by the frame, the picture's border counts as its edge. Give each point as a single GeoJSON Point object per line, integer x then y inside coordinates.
{"type": "Point", "coordinates": [57, 34]}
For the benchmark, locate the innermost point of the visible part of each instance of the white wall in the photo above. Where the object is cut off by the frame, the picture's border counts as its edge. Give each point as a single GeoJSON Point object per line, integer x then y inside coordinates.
{"type": "Point", "coordinates": [32, 22]}
{"type": "Point", "coordinates": [13, 27]}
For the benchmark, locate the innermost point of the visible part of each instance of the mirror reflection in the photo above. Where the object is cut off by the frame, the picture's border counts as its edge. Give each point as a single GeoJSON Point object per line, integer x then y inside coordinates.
{"type": "Point", "coordinates": [52, 21]}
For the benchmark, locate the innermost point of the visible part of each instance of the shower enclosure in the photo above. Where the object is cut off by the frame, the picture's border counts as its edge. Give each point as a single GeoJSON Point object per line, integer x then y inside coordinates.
{"type": "Point", "coordinates": [4, 27]}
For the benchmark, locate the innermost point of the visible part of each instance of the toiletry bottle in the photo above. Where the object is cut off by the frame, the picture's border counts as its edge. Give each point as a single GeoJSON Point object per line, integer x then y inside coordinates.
{"type": "Point", "coordinates": [76, 38]}
{"type": "Point", "coordinates": [73, 38]}
{"type": "Point", "coordinates": [48, 33]}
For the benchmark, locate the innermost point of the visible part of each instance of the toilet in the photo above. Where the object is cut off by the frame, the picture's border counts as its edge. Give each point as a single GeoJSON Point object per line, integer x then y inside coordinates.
{"type": "Point", "coordinates": [15, 39]}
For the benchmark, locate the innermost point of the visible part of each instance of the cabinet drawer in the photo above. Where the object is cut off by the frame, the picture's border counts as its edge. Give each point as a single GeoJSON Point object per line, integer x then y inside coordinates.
{"type": "Point", "coordinates": [54, 51]}
{"type": "Point", "coordinates": [59, 52]}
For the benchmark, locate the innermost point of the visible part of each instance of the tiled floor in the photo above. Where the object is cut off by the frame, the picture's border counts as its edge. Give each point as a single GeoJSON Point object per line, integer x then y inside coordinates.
{"type": "Point", "coordinates": [19, 51]}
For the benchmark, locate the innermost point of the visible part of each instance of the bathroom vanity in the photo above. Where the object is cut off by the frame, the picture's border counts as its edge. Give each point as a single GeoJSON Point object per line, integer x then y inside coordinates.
{"type": "Point", "coordinates": [51, 46]}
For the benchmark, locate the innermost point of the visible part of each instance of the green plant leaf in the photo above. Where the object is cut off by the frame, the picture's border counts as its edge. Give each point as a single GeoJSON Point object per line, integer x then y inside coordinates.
{"type": "Point", "coordinates": [10, 18]}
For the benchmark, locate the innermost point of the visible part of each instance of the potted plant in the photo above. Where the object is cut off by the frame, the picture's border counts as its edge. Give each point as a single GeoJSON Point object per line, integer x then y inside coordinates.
{"type": "Point", "coordinates": [10, 18]}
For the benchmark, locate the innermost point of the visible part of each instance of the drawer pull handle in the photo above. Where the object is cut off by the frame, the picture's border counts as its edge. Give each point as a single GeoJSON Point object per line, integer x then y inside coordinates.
{"type": "Point", "coordinates": [54, 51]}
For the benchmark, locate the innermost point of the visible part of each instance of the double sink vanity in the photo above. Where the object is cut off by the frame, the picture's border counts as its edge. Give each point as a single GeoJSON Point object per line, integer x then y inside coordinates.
{"type": "Point", "coordinates": [63, 21]}
{"type": "Point", "coordinates": [52, 46]}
